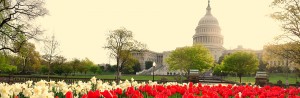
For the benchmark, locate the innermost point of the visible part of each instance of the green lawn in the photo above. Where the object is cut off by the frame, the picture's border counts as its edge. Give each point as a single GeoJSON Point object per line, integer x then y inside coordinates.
{"type": "Point", "coordinates": [273, 78]}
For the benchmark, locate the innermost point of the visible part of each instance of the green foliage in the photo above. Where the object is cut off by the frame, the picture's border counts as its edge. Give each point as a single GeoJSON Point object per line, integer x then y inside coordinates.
{"type": "Point", "coordinates": [137, 67]}
{"type": "Point", "coordinates": [218, 70]}
{"type": "Point", "coordinates": [57, 64]}
{"type": "Point", "coordinates": [75, 63]}
{"type": "Point", "coordinates": [44, 69]}
{"type": "Point", "coordinates": [67, 68]}
{"type": "Point", "coordinates": [241, 63]}
{"type": "Point", "coordinates": [85, 65]}
{"type": "Point", "coordinates": [148, 64]}
{"type": "Point", "coordinates": [30, 58]}
{"type": "Point", "coordinates": [96, 69]}
{"type": "Point", "coordinates": [194, 57]}
{"type": "Point", "coordinates": [9, 69]}
{"type": "Point", "coordinates": [57, 69]}
{"type": "Point", "coordinates": [111, 68]}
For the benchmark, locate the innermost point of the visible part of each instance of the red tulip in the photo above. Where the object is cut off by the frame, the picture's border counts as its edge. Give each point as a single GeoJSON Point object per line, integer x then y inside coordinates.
{"type": "Point", "coordinates": [69, 94]}
{"type": "Point", "coordinates": [118, 91]}
{"type": "Point", "coordinates": [84, 96]}
{"type": "Point", "coordinates": [107, 94]}
{"type": "Point", "coordinates": [93, 94]}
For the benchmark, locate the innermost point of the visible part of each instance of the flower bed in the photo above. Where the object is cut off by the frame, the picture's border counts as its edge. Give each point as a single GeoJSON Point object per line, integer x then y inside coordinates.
{"type": "Point", "coordinates": [131, 89]}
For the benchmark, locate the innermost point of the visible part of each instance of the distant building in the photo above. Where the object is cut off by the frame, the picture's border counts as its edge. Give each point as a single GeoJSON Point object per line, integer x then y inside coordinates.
{"type": "Point", "coordinates": [207, 33]}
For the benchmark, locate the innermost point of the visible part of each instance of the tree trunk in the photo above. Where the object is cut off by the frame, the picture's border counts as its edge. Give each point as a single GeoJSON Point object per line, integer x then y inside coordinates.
{"type": "Point", "coordinates": [240, 76]}
{"type": "Point", "coordinates": [118, 72]}
{"type": "Point", "coordinates": [50, 60]}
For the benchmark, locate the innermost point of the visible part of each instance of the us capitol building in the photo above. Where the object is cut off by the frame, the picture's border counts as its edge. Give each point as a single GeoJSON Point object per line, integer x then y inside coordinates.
{"type": "Point", "coordinates": [207, 33]}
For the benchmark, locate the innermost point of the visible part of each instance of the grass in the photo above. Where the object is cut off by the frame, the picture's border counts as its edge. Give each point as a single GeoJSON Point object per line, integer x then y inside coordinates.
{"type": "Point", "coordinates": [273, 78]}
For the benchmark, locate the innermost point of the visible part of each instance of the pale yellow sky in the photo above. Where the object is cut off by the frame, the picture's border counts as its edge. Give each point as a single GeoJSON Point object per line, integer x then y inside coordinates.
{"type": "Point", "coordinates": [81, 26]}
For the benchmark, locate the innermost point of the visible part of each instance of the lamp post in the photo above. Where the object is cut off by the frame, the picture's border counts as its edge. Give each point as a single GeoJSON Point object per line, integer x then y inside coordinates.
{"type": "Point", "coordinates": [221, 76]}
{"type": "Point", "coordinates": [287, 72]}
{"type": "Point", "coordinates": [153, 67]}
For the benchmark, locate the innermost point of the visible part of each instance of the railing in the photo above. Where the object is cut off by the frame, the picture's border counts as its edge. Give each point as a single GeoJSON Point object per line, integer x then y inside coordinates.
{"type": "Point", "coordinates": [149, 71]}
{"type": "Point", "coordinates": [24, 78]}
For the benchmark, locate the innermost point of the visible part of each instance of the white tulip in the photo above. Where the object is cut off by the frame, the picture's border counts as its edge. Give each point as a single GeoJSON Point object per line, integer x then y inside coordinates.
{"type": "Point", "coordinates": [94, 80]}
{"type": "Point", "coordinates": [37, 90]}
{"type": "Point", "coordinates": [41, 83]}
{"type": "Point", "coordinates": [27, 92]}
{"type": "Point", "coordinates": [17, 88]}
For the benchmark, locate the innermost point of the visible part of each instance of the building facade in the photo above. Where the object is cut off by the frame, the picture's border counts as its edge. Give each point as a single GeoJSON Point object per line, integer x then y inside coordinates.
{"type": "Point", "coordinates": [207, 33]}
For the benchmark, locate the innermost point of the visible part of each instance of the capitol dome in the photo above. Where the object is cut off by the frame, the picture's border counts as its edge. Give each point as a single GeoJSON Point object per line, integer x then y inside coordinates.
{"type": "Point", "coordinates": [208, 33]}
{"type": "Point", "coordinates": [208, 19]}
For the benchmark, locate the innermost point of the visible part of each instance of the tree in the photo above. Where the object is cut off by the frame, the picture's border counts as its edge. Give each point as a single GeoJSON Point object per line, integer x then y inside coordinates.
{"type": "Point", "coordinates": [127, 60]}
{"type": "Point", "coordinates": [120, 43]}
{"type": "Point", "coordinates": [96, 69]}
{"type": "Point", "coordinates": [30, 58]}
{"type": "Point", "coordinates": [5, 66]}
{"type": "Point", "coordinates": [288, 51]}
{"type": "Point", "coordinates": [44, 69]}
{"type": "Point", "coordinates": [288, 14]}
{"type": "Point", "coordinates": [16, 26]}
{"type": "Point", "coordinates": [58, 64]}
{"type": "Point", "coordinates": [75, 63]}
{"type": "Point", "coordinates": [218, 70]}
{"type": "Point", "coordinates": [67, 68]}
{"type": "Point", "coordinates": [137, 67]}
{"type": "Point", "coordinates": [148, 64]}
{"type": "Point", "coordinates": [193, 57]}
{"type": "Point", "coordinates": [85, 65]}
{"type": "Point", "coordinates": [50, 50]}
{"type": "Point", "coordinates": [240, 62]}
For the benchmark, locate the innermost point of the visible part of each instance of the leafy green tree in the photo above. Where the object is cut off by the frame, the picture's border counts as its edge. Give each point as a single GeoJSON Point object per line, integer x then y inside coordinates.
{"type": "Point", "coordinates": [75, 63]}
{"type": "Point", "coordinates": [218, 70]}
{"type": "Point", "coordinates": [128, 61]}
{"type": "Point", "coordinates": [67, 68]}
{"type": "Point", "coordinates": [192, 57]}
{"type": "Point", "coordinates": [7, 63]}
{"type": "Point", "coordinates": [137, 67]}
{"type": "Point", "coordinates": [96, 69]}
{"type": "Point", "coordinates": [112, 68]}
{"type": "Point", "coordinates": [44, 69]}
{"type": "Point", "coordinates": [16, 26]}
{"type": "Point", "coordinates": [148, 64]}
{"type": "Point", "coordinates": [9, 69]}
{"type": "Point", "coordinates": [58, 64]}
{"type": "Point", "coordinates": [30, 58]}
{"type": "Point", "coordinates": [241, 63]}
{"type": "Point", "coordinates": [120, 43]}
{"type": "Point", "coordinates": [85, 65]}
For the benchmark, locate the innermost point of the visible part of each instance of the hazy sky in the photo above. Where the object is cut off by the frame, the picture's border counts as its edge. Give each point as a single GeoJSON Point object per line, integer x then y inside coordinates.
{"type": "Point", "coordinates": [81, 26]}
